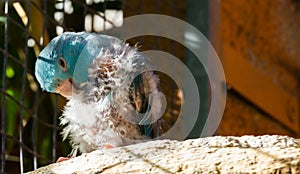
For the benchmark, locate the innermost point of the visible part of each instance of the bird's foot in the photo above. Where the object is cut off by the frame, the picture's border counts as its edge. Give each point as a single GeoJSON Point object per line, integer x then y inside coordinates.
{"type": "Point", "coordinates": [61, 159]}
{"type": "Point", "coordinates": [108, 146]}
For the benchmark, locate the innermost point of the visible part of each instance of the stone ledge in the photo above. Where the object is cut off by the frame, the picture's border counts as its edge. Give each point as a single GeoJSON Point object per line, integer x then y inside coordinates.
{"type": "Point", "coordinates": [246, 154]}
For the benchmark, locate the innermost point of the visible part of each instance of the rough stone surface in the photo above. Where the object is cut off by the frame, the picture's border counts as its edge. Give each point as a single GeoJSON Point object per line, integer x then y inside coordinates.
{"type": "Point", "coordinates": [246, 154]}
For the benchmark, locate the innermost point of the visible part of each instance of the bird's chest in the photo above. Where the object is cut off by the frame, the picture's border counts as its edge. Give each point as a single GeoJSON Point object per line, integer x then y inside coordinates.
{"type": "Point", "coordinates": [99, 124]}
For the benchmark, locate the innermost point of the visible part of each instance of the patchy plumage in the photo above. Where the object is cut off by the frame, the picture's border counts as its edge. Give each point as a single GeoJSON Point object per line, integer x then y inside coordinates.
{"type": "Point", "coordinates": [113, 94]}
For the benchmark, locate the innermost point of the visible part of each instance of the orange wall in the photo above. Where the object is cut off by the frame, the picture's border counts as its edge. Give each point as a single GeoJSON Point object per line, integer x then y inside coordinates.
{"type": "Point", "coordinates": [259, 43]}
{"type": "Point", "coordinates": [262, 40]}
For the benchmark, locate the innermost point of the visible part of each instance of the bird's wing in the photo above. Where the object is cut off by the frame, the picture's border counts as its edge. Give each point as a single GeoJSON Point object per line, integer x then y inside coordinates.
{"type": "Point", "coordinates": [143, 94]}
{"type": "Point", "coordinates": [144, 99]}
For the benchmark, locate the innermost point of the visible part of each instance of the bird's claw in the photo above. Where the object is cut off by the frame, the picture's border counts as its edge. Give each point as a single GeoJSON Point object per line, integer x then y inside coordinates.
{"type": "Point", "coordinates": [108, 146]}
{"type": "Point", "coordinates": [61, 159]}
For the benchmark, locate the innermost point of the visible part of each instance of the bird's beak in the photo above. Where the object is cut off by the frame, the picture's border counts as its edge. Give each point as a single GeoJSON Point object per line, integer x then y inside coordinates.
{"type": "Point", "coordinates": [65, 88]}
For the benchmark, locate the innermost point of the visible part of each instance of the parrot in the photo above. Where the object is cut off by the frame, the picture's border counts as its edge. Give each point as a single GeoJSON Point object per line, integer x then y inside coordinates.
{"type": "Point", "coordinates": [113, 93]}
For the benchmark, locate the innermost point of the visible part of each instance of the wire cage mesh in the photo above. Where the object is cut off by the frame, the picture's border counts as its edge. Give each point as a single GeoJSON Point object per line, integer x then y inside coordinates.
{"type": "Point", "coordinates": [29, 117]}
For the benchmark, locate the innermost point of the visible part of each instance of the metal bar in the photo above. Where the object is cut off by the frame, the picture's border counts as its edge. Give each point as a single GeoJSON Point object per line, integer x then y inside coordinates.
{"type": "Point", "coordinates": [28, 110]}
{"type": "Point", "coordinates": [27, 32]}
{"type": "Point", "coordinates": [173, 50]}
{"type": "Point", "coordinates": [15, 100]}
{"type": "Point", "coordinates": [36, 102]}
{"type": "Point", "coordinates": [51, 19]}
{"type": "Point", "coordinates": [156, 39]}
{"type": "Point", "coordinates": [3, 118]}
{"type": "Point", "coordinates": [25, 147]}
{"type": "Point", "coordinates": [84, 13]}
{"type": "Point", "coordinates": [104, 16]}
{"type": "Point", "coordinates": [37, 94]}
{"type": "Point", "coordinates": [21, 27]}
{"type": "Point", "coordinates": [54, 141]}
{"type": "Point", "coordinates": [16, 60]}
{"type": "Point", "coordinates": [130, 6]}
{"type": "Point", "coordinates": [91, 10]}
{"type": "Point", "coordinates": [23, 90]}
{"type": "Point", "coordinates": [44, 22]}
{"type": "Point", "coordinates": [140, 7]}
{"type": "Point", "coordinates": [199, 9]}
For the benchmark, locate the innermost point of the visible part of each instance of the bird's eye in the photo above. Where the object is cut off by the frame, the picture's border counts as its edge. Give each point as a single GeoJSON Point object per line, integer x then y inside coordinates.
{"type": "Point", "coordinates": [62, 64]}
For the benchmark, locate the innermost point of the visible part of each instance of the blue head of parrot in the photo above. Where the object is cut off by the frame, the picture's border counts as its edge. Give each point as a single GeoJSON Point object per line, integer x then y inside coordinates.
{"type": "Point", "coordinates": [66, 57]}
